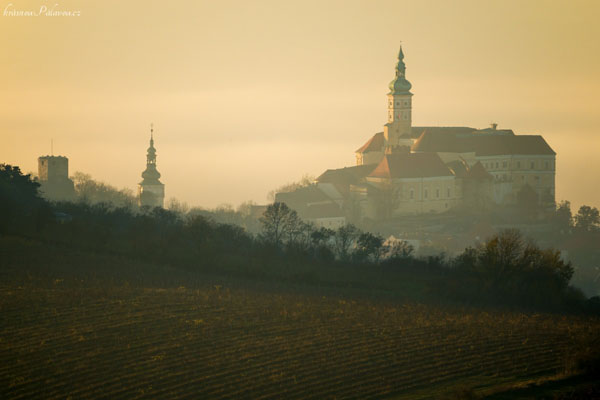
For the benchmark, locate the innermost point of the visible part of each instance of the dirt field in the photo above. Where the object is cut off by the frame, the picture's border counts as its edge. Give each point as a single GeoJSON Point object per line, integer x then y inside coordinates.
{"type": "Point", "coordinates": [61, 341]}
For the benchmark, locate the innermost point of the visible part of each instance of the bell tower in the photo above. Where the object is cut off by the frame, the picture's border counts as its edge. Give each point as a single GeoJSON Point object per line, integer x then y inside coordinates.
{"type": "Point", "coordinates": [399, 121]}
{"type": "Point", "coordinates": [151, 192]}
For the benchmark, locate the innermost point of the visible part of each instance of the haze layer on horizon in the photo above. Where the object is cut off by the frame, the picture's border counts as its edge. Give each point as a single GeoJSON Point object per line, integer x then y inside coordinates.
{"type": "Point", "coordinates": [247, 96]}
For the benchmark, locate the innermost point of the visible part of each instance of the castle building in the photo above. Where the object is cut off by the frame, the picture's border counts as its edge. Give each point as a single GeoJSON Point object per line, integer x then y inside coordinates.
{"type": "Point", "coordinates": [151, 192]}
{"type": "Point", "coordinates": [53, 177]}
{"type": "Point", "coordinates": [409, 170]}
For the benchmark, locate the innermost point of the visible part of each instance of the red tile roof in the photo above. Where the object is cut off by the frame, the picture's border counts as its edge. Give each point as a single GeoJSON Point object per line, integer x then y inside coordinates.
{"type": "Point", "coordinates": [376, 143]}
{"type": "Point", "coordinates": [416, 131]}
{"type": "Point", "coordinates": [411, 165]}
{"type": "Point", "coordinates": [346, 176]}
{"type": "Point", "coordinates": [504, 143]}
{"type": "Point", "coordinates": [436, 141]}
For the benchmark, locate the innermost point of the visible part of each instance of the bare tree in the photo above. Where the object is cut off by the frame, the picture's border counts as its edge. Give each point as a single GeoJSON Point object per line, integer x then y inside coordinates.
{"type": "Point", "coordinates": [400, 249]}
{"type": "Point", "coordinates": [344, 238]}
{"type": "Point", "coordinates": [177, 206]}
{"type": "Point", "coordinates": [277, 222]}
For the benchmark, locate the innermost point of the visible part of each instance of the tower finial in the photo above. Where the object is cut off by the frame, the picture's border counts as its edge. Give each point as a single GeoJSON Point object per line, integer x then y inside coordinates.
{"type": "Point", "coordinates": [400, 84]}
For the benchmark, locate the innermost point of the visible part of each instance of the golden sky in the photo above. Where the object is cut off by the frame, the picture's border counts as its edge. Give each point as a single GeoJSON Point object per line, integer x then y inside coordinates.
{"type": "Point", "coordinates": [248, 95]}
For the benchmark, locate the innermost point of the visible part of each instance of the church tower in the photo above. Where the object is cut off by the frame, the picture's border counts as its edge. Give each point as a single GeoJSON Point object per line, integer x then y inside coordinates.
{"type": "Point", "coordinates": [151, 192]}
{"type": "Point", "coordinates": [397, 130]}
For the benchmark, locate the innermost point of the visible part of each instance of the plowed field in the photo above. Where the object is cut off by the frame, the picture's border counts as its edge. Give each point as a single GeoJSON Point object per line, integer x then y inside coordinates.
{"type": "Point", "coordinates": [220, 343]}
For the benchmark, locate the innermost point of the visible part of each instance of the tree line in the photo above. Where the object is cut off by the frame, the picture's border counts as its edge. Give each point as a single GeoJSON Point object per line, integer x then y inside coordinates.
{"type": "Point", "coordinates": [505, 270]}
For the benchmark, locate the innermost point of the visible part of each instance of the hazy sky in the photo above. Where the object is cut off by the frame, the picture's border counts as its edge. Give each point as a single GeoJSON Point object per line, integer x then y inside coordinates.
{"type": "Point", "coordinates": [246, 96]}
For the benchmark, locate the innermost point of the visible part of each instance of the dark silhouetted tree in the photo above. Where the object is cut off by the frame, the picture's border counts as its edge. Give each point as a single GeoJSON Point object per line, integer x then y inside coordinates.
{"type": "Point", "coordinates": [399, 249]}
{"type": "Point", "coordinates": [369, 247]}
{"type": "Point", "coordinates": [587, 219]}
{"type": "Point", "coordinates": [563, 218]}
{"type": "Point", "coordinates": [21, 207]}
{"type": "Point", "coordinates": [277, 221]}
{"type": "Point", "coordinates": [344, 238]}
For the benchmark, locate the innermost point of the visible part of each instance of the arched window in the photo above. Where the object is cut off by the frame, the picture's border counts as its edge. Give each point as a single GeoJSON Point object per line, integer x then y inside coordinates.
{"type": "Point", "coordinates": [412, 194]}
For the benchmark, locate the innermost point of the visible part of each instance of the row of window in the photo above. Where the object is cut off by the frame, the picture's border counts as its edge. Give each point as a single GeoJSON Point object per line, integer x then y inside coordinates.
{"type": "Point", "coordinates": [398, 103]}
{"type": "Point", "coordinates": [438, 192]}
{"type": "Point", "coordinates": [506, 178]}
{"type": "Point", "coordinates": [519, 165]}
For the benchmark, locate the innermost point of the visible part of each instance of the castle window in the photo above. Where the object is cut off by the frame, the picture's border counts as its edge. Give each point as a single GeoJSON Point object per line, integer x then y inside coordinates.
{"type": "Point", "coordinates": [405, 115]}
{"type": "Point", "coordinates": [496, 165]}
{"type": "Point", "coordinates": [533, 165]}
{"type": "Point", "coordinates": [412, 194]}
{"type": "Point", "coordinates": [546, 163]}
{"type": "Point", "coordinates": [448, 192]}
{"type": "Point", "coordinates": [519, 164]}
{"type": "Point", "coordinates": [397, 103]}
{"type": "Point", "coordinates": [537, 179]}
{"type": "Point", "coordinates": [406, 103]}
{"type": "Point", "coordinates": [425, 194]}
{"type": "Point", "coordinates": [523, 178]}
{"type": "Point", "coordinates": [437, 193]}
{"type": "Point", "coordinates": [504, 164]}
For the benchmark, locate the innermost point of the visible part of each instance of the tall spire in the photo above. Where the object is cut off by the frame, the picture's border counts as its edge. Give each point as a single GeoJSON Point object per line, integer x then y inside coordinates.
{"type": "Point", "coordinates": [400, 67]}
{"type": "Point", "coordinates": [151, 155]}
{"type": "Point", "coordinates": [400, 85]}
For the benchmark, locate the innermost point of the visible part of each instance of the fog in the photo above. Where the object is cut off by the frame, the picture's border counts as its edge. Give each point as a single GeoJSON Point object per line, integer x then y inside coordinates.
{"type": "Point", "coordinates": [246, 97]}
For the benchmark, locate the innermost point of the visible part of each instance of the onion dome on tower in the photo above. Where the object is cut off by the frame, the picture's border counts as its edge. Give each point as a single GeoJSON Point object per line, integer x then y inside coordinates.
{"type": "Point", "coordinates": [400, 85]}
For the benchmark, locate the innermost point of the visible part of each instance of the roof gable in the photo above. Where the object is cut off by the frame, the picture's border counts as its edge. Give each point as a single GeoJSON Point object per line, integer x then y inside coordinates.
{"type": "Point", "coordinates": [411, 165]}
{"type": "Point", "coordinates": [376, 143]}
